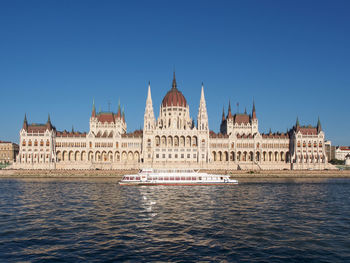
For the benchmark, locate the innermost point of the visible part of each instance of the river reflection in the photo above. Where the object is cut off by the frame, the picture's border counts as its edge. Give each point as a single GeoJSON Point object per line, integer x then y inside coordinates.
{"type": "Point", "coordinates": [75, 220]}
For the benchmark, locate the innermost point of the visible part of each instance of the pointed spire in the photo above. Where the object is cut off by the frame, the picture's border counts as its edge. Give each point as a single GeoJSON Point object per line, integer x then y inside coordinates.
{"type": "Point", "coordinates": [72, 129]}
{"type": "Point", "coordinates": [319, 127]}
{"type": "Point", "coordinates": [149, 96]}
{"type": "Point", "coordinates": [48, 123]}
{"type": "Point", "coordinates": [149, 119]}
{"type": "Point", "coordinates": [174, 86]}
{"type": "Point", "coordinates": [119, 111]}
{"type": "Point", "coordinates": [93, 114]}
{"type": "Point", "coordinates": [202, 93]}
{"type": "Point", "coordinates": [223, 114]}
{"type": "Point", "coordinates": [229, 113]}
{"type": "Point", "coordinates": [123, 115]}
{"type": "Point", "coordinates": [245, 110]}
{"type": "Point", "coordinates": [202, 117]}
{"type": "Point", "coordinates": [297, 123]}
{"type": "Point", "coordinates": [253, 111]}
{"type": "Point", "coordinates": [25, 123]}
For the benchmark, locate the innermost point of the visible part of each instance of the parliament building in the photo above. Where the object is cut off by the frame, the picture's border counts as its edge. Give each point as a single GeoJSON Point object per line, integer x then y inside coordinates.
{"type": "Point", "coordinates": [173, 140]}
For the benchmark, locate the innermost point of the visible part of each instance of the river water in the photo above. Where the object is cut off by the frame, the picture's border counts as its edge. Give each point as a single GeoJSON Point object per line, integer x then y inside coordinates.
{"type": "Point", "coordinates": [96, 220]}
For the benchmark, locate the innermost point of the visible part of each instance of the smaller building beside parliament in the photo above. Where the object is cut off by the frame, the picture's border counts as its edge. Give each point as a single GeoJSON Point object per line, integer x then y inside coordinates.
{"type": "Point", "coordinates": [173, 140]}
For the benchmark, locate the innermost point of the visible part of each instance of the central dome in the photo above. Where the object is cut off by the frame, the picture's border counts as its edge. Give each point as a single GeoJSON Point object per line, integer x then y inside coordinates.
{"type": "Point", "coordinates": [174, 97]}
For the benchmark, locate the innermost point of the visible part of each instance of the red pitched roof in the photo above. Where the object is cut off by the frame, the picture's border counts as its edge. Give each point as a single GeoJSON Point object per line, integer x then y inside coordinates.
{"type": "Point", "coordinates": [241, 118]}
{"type": "Point", "coordinates": [106, 117]}
{"type": "Point", "coordinates": [37, 128]}
{"type": "Point", "coordinates": [344, 148]}
{"type": "Point", "coordinates": [70, 134]}
{"type": "Point", "coordinates": [307, 130]}
{"type": "Point", "coordinates": [136, 133]}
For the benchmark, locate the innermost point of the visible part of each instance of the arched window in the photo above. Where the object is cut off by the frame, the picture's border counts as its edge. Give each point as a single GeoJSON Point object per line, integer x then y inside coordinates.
{"type": "Point", "coordinates": [24, 143]}
{"type": "Point", "coordinates": [47, 143]}
{"type": "Point", "coordinates": [35, 143]}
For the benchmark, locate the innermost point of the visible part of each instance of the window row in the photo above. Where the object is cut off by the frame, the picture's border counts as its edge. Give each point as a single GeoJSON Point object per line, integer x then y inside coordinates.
{"type": "Point", "coordinates": [176, 156]}
{"type": "Point", "coordinates": [36, 143]}
{"type": "Point", "coordinates": [175, 141]}
{"type": "Point", "coordinates": [70, 144]}
{"type": "Point", "coordinates": [309, 144]}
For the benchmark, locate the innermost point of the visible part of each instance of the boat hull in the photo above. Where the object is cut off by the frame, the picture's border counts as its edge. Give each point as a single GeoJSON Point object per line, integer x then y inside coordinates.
{"type": "Point", "coordinates": [176, 184]}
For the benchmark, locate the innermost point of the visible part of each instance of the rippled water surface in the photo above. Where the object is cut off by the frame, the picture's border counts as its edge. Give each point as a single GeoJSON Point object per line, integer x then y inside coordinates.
{"type": "Point", "coordinates": [79, 220]}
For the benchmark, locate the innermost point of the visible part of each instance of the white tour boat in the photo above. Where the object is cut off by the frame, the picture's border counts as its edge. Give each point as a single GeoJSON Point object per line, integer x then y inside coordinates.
{"type": "Point", "coordinates": [175, 177]}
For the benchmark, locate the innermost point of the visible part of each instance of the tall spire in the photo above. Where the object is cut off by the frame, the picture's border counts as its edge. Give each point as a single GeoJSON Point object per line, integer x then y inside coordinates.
{"type": "Point", "coordinates": [202, 118]}
{"type": "Point", "coordinates": [93, 114]}
{"type": "Point", "coordinates": [148, 118]}
{"type": "Point", "coordinates": [174, 86]}
{"type": "Point", "coordinates": [149, 97]}
{"type": "Point", "coordinates": [253, 111]}
{"type": "Point", "coordinates": [48, 123]}
{"type": "Point", "coordinates": [123, 115]}
{"type": "Point", "coordinates": [202, 93]}
{"type": "Point", "coordinates": [229, 113]}
{"type": "Point", "coordinates": [297, 123]}
{"type": "Point", "coordinates": [25, 123]}
{"type": "Point", "coordinates": [319, 127]}
{"type": "Point", "coordinates": [223, 114]}
{"type": "Point", "coordinates": [119, 111]}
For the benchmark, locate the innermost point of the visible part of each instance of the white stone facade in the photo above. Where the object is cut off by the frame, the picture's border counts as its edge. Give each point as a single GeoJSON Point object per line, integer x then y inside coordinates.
{"type": "Point", "coordinates": [172, 140]}
{"type": "Point", "coordinates": [341, 152]}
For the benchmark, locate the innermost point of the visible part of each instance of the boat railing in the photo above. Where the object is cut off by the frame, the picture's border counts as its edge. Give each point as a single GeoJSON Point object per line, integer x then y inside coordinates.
{"type": "Point", "coordinates": [162, 171]}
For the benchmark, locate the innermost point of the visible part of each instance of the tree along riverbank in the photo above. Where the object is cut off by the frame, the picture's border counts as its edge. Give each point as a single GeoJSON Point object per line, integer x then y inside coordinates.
{"type": "Point", "coordinates": [120, 173]}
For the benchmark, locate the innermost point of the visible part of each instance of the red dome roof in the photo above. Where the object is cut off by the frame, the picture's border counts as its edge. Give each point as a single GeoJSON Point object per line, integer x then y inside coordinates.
{"type": "Point", "coordinates": [174, 97]}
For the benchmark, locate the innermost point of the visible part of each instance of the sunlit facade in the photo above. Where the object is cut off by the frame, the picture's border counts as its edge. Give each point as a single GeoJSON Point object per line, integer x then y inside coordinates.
{"type": "Point", "coordinates": [173, 140]}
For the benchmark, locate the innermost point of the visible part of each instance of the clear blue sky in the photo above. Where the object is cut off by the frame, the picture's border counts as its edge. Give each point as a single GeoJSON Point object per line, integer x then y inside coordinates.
{"type": "Point", "coordinates": [291, 57]}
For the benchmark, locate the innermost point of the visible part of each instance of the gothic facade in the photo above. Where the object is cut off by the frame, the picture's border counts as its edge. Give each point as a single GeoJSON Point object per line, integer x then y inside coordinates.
{"type": "Point", "coordinates": [172, 140]}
